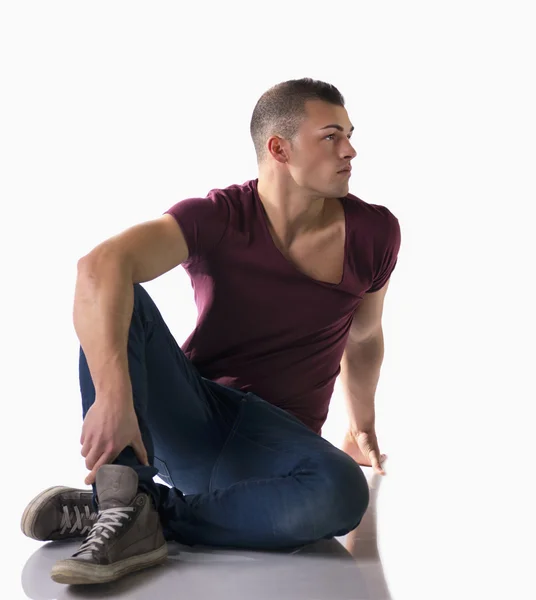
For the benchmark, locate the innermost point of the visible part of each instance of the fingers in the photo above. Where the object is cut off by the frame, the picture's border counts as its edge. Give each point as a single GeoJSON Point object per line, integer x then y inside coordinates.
{"type": "Point", "coordinates": [92, 456]}
{"type": "Point", "coordinates": [90, 479]}
{"type": "Point", "coordinates": [95, 457]}
{"type": "Point", "coordinates": [83, 434]}
{"type": "Point", "coordinates": [104, 459]}
{"type": "Point", "coordinates": [86, 447]}
{"type": "Point", "coordinates": [375, 462]}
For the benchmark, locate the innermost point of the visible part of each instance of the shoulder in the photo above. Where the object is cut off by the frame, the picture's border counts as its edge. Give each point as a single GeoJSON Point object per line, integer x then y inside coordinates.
{"type": "Point", "coordinates": [374, 214]}
{"type": "Point", "coordinates": [374, 222]}
{"type": "Point", "coordinates": [236, 199]}
{"type": "Point", "coordinates": [375, 233]}
{"type": "Point", "coordinates": [218, 202]}
{"type": "Point", "coordinates": [234, 193]}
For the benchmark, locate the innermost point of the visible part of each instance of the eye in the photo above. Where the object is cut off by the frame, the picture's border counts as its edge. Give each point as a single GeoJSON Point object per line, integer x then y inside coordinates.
{"type": "Point", "coordinates": [332, 135]}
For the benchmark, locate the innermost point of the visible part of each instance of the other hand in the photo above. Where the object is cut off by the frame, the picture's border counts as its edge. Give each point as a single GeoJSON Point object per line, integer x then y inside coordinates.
{"type": "Point", "coordinates": [109, 427]}
{"type": "Point", "coordinates": [363, 447]}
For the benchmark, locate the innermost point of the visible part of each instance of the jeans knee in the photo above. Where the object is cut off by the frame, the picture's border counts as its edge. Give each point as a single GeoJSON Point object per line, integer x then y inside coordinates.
{"type": "Point", "coordinates": [140, 295]}
{"type": "Point", "coordinates": [349, 492]}
{"type": "Point", "coordinates": [144, 309]}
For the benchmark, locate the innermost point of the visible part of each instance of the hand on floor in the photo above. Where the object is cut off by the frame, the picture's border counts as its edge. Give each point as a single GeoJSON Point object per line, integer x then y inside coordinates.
{"type": "Point", "coordinates": [363, 448]}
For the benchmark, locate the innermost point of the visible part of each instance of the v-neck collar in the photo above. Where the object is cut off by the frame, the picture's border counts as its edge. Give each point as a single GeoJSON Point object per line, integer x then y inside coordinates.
{"type": "Point", "coordinates": [264, 220]}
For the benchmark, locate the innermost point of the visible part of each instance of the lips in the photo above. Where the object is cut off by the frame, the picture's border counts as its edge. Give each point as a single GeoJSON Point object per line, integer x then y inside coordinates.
{"type": "Point", "coordinates": [344, 170]}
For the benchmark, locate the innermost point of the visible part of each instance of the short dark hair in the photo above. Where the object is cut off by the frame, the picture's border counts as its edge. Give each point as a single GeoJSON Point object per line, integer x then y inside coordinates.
{"type": "Point", "coordinates": [281, 110]}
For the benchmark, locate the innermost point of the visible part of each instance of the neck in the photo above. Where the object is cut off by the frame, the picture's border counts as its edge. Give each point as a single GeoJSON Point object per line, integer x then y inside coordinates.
{"type": "Point", "coordinates": [291, 211]}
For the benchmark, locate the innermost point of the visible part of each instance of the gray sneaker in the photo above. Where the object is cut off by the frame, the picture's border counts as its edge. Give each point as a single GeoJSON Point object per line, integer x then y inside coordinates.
{"type": "Point", "coordinates": [127, 535]}
{"type": "Point", "coordinates": [59, 513]}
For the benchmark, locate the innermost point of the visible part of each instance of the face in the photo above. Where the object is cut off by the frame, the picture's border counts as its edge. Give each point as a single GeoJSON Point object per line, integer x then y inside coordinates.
{"type": "Point", "coordinates": [318, 153]}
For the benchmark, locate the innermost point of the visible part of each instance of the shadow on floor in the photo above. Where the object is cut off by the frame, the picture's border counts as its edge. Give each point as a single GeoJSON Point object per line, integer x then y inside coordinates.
{"type": "Point", "coordinates": [341, 568]}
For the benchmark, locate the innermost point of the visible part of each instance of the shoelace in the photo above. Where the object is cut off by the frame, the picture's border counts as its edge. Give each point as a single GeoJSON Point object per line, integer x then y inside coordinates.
{"type": "Point", "coordinates": [108, 520]}
{"type": "Point", "coordinates": [66, 522]}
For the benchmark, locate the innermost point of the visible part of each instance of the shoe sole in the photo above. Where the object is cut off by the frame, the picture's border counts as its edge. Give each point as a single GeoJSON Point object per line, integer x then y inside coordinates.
{"type": "Point", "coordinates": [76, 572]}
{"type": "Point", "coordinates": [29, 516]}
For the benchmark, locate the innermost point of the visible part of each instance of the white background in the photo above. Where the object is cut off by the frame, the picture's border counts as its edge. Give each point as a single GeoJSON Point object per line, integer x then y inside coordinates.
{"type": "Point", "coordinates": [113, 111]}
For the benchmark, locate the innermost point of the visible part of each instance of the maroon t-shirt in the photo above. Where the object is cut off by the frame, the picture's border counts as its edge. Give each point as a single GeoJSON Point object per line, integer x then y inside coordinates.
{"type": "Point", "coordinates": [263, 326]}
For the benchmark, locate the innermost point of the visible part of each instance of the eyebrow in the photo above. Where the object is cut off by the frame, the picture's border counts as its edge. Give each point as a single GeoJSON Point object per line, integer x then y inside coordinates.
{"type": "Point", "coordinates": [337, 126]}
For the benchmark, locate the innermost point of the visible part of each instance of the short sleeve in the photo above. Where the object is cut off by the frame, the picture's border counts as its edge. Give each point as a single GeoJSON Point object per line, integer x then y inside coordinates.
{"type": "Point", "coordinates": [203, 222]}
{"type": "Point", "coordinates": [386, 250]}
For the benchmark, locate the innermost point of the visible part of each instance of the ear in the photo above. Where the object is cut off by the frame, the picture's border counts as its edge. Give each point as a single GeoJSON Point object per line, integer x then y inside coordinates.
{"type": "Point", "coordinates": [278, 149]}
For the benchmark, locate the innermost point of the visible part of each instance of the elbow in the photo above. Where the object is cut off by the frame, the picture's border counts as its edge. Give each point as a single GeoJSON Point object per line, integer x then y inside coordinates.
{"type": "Point", "coordinates": [82, 262]}
{"type": "Point", "coordinates": [359, 337]}
{"type": "Point", "coordinates": [103, 260]}
{"type": "Point", "coordinates": [94, 257]}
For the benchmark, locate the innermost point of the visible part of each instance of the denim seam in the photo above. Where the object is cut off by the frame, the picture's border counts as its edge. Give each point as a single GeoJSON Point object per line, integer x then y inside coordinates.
{"type": "Point", "coordinates": [231, 433]}
{"type": "Point", "coordinates": [261, 445]}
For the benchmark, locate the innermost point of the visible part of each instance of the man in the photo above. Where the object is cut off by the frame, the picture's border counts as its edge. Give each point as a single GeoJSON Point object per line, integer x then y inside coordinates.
{"type": "Point", "coordinates": [290, 273]}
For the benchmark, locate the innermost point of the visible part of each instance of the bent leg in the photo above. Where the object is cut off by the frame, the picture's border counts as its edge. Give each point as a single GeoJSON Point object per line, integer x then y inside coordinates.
{"type": "Point", "coordinates": [254, 475]}
{"type": "Point", "coordinates": [276, 484]}
{"type": "Point", "coordinates": [178, 410]}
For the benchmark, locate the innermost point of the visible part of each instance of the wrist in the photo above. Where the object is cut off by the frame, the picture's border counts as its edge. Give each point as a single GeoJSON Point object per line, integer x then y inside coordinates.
{"type": "Point", "coordinates": [361, 426]}
{"type": "Point", "coordinates": [115, 393]}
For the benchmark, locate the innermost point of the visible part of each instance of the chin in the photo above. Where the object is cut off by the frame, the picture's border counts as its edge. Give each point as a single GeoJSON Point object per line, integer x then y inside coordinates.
{"type": "Point", "coordinates": [332, 190]}
{"type": "Point", "coordinates": [344, 185]}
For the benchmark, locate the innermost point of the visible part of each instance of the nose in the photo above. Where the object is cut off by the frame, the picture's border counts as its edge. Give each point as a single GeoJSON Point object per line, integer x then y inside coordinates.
{"type": "Point", "coordinates": [351, 153]}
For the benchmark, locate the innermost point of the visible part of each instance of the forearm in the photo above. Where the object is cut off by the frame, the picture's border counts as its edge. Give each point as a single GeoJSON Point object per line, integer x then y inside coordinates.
{"type": "Point", "coordinates": [360, 372]}
{"type": "Point", "coordinates": [102, 312]}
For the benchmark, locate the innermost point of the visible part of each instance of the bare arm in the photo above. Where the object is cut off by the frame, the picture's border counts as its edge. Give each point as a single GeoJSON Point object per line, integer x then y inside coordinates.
{"type": "Point", "coordinates": [362, 359]}
{"type": "Point", "coordinates": [104, 294]}
{"type": "Point", "coordinates": [103, 305]}
{"type": "Point", "coordinates": [360, 371]}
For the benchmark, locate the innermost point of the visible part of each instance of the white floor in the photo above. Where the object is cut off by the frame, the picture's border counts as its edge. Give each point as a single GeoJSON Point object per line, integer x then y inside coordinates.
{"type": "Point", "coordinates": [339, 569]}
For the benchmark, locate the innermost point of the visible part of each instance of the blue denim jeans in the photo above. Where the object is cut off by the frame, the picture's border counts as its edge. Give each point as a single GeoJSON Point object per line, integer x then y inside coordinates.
{"type": "Point", "coordinates": [243, 472]}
